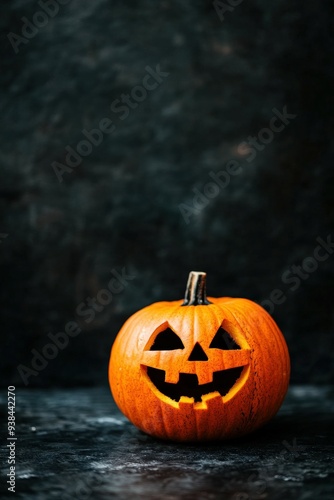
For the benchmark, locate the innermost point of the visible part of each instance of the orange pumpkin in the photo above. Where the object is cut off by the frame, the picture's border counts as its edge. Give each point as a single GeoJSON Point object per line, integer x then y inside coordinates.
{"type": "Point", "coordinates": [199, 369]}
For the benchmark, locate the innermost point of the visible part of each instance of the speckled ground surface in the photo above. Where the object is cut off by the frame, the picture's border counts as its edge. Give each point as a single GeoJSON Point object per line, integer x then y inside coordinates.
{"type": "Point", "coordinates": [76, 444]}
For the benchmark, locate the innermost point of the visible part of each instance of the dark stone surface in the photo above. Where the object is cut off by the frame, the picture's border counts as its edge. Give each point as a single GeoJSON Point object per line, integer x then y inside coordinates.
{"type": "Point", "coordinates": [120, 206]}
{"type": "Point", "coordinates": [76, 444]}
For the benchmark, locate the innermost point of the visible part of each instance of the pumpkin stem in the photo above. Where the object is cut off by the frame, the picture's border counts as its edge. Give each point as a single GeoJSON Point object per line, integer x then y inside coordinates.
{"type": "Point", "coordinates": [196, 290]}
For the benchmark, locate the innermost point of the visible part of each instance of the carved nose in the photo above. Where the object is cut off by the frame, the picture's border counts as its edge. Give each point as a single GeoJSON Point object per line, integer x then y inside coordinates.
{"type": "Point", "coordinates": [197, 354]}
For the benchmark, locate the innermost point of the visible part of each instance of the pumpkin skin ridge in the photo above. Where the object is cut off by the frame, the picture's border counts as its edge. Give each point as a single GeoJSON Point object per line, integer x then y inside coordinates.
{"type": "Point", "coordinates": [130, 410]}
{"type": "Point", "coordinates": [242, 343]}
{"type": "Point", "coordinates": [254, 392]}
{"type": "Point", "coordinates": [131, 413]}
{"type": "Point", "coordinates": [194, 337]}
{"type": "Point", "coordinates": [195, 424]}
{"type": "Point", "coordinates": [280, 343]}
{"type": "Point", "coordinates": [284, 358]}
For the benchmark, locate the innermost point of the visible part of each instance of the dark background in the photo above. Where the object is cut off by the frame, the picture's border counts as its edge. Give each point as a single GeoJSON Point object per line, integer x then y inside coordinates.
{"type": "Point", "coordinates": [120, 207]}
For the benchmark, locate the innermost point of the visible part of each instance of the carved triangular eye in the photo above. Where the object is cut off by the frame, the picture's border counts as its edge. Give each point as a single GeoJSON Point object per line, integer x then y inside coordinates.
{"type": "Point", "coordinates": [223, 340]}
{"type": "Point", "coordinates": [167, 340]}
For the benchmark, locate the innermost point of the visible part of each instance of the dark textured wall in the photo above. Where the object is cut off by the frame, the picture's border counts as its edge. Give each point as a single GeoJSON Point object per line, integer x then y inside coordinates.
{"type": "Point", "coordinates": [130, 202]}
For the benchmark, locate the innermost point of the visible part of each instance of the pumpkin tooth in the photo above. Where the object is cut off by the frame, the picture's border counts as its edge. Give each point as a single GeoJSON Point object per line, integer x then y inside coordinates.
{"type": "Point", "coordinates": [185, 400]}
{"type": "Point", "coordinates": [172, 377]}
{"type": "Point", "coordinates": [204, 376]}
{"type": "Point", "coordinates": [201, 405]}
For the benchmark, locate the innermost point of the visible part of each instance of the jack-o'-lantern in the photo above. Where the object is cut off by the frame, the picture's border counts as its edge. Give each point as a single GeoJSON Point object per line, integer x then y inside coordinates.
{"type": "Point", "coordinates": [199, 369]}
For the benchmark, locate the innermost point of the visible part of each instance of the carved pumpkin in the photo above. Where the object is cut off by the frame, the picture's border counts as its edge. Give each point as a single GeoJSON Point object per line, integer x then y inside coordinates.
{"type": "Point", "coordinates": [199, 369]}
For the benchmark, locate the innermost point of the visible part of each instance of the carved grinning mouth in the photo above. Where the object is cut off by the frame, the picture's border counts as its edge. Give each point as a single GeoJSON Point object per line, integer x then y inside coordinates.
{"type": "Point", "coordinates": [222, 381]}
